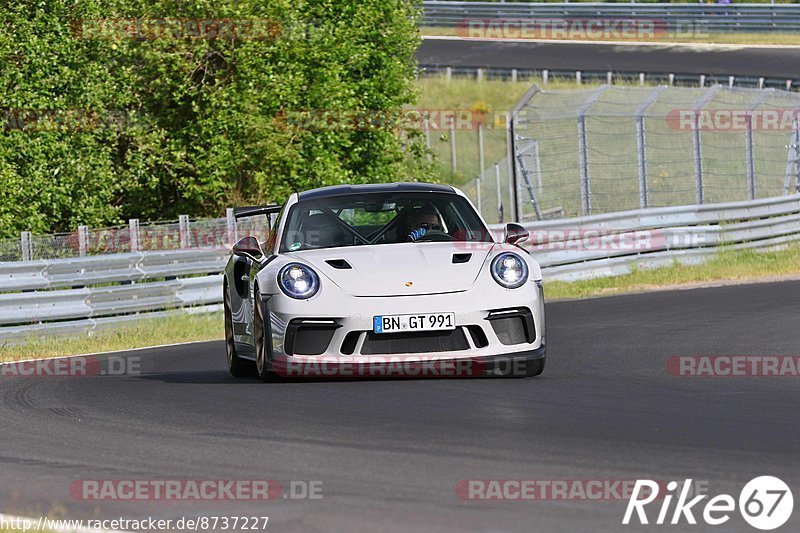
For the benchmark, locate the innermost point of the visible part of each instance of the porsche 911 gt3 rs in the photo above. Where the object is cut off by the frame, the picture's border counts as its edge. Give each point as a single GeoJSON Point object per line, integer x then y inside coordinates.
{"type": "Point", "coordinates": [351, 278]}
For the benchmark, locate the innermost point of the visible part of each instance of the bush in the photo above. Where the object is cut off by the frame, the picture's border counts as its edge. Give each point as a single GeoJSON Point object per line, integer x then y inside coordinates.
{"type": "Point", "coordinates": [102, 125]}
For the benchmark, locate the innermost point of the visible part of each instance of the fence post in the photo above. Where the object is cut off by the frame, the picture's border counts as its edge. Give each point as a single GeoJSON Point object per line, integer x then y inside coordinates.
{"type": "Point", "coordinates": [698, 153]}
{"type": "Point", "coordinates": [583, 163]}
{"type": "Point", "coordinates": [183, 228]}
{"type": "Point", "coordinates": [230, 223]}
{"type": "Point", "coordinates": [453, 142]}
{"type": "Point", "coordinates": [583, 156]}
{"type": "Point", "coordinates": [641, 144]}
{"type": "Point", "coordinates": [481, 162]}
{"type": "Point", "coordinates": [748, 154]}
{"type": "Point", "coordinates": [427, 126]}
{"type": "Point", "coordinates": [478, 193]}
{"type": "Point", "coordinates": [83, 240]}
{"type": "Point", "coordinates": [499, 194]}
{"type": "Point", "coordinates": [133, 225]}
{"type": "Point", "coordinates": [27, 246]}
{"type": "Point", "coordinates": [511, 141]}
{"type": "Point", "coordinates": [748, 145]}
{"type": "Point", "coordinates": [514, 75]}
{"type": "Point", "coordinates": [545, 77]}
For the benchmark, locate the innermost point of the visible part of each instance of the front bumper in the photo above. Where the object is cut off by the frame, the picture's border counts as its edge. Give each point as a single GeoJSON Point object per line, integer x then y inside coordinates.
{"type": "Point", "coordinates": [494, 327]}
{"type": "Point", "coordinates": [519, 364]}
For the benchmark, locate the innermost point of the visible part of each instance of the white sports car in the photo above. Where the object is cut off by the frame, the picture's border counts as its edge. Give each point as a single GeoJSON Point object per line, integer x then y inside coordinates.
{"type": "Point", "coordinates": [400, 279]}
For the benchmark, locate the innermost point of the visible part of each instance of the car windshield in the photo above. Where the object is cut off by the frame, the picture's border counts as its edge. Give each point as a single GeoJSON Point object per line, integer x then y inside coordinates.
{"type": "Point", "coordinates": [381, 218]}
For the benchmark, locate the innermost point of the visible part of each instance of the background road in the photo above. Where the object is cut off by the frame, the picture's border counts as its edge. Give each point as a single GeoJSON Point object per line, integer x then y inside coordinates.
{"type": "Point", "coordinates": [782, 63]}
{"type": "Point", "coordinates": [389, 453]}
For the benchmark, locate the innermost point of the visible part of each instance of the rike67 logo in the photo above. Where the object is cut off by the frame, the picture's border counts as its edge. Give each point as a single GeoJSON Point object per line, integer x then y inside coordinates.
{"type": "Point", "coordinates": [765, 503]}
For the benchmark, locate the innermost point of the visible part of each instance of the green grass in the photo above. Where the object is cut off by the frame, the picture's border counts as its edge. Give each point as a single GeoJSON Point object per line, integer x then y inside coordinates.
{"type": "Point", "coordinates": [727, 266]}
{"type": "Point", "coordinates": [178, 327]}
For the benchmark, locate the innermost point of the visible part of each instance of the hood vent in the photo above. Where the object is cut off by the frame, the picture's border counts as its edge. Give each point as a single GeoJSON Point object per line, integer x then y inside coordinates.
{"type": "Point", "coordinates": [340, 264]}
{"type": "Point", "coordinates": [461, 258]}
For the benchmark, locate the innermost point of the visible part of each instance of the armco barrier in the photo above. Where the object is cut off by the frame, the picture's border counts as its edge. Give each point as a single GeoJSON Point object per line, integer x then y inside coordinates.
{"type": "Point", "coordinates": [783, 18]}
{"type": "Point", "coordinates": [80, 295]}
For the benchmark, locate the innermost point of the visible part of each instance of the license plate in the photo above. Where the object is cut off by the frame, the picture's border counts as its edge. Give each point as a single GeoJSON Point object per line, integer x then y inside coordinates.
{"type": "Point", "coordinates": [420, 322]}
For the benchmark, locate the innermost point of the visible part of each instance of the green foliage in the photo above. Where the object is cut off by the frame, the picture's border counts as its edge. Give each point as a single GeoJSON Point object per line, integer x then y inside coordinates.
{"type": "Point", "coordinates": [180, 123]}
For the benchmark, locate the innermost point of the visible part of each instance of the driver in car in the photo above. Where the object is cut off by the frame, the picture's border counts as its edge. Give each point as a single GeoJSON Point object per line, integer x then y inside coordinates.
{"type": "Point", "coordinates": [420, 222]}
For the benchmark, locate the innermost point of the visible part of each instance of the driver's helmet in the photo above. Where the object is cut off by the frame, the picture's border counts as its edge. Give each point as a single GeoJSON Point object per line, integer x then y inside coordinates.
{"type": "Point", "coordinates": [422, 220]}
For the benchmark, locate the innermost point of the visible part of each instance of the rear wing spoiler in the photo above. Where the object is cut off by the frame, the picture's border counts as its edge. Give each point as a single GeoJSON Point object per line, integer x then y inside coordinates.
{"type": "Point", "coordinates": [255, 210]}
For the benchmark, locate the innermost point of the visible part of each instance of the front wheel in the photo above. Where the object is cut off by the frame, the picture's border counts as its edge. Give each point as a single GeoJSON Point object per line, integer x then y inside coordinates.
{"type": "Point", "coordinates": [238, 367]}
{"type": "Point", "coordinates": [535, 367]}
{"type": "Point", "coordinates": [263, 367]}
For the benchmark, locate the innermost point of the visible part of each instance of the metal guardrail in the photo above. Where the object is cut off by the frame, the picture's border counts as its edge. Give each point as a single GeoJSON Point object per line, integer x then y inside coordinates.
{"type": "Point", "coordinates": [615, 243]}
{"type": "Point", "coordinates": [770, 18]}
{"type": "Point", "coordinates": [80, 295]}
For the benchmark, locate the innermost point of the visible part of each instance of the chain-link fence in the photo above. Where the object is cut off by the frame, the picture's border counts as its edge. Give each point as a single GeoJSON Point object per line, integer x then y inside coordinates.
{"type": "Point", "coordinates": [606, 149]}
{"type": "Point", "coordinates": [186, 233]}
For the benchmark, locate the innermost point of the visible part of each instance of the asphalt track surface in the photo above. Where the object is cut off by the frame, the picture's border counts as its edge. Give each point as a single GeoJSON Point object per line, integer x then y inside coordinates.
{"type": "Point", "coordinates": [390, 453]}
{"type": "Point", "coordinates": [783, 63]}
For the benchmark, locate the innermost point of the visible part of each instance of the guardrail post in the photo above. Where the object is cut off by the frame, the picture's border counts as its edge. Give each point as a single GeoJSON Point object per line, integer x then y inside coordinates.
{"type": "Point", "coordinates": [133, 225]}
{"type": "Point", "coordinates": [27, 246]}
{"type": "Point", "coordinates": [230, 223]}
{"type": "Point", "coordinates": [183, 228]}
{"type": "Point", "coordinates": [83, 240]}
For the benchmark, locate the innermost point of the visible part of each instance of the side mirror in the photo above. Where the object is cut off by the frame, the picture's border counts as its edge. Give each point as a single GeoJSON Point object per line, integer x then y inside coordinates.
{"type": "Point", "coordinates": [515, 233]}
{"type": "Point", "coordinates": [248, 247]}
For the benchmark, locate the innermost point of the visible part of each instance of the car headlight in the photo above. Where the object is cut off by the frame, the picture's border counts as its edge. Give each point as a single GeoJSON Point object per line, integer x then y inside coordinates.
{"type": "Point", "coordinates": [509, 270]}
{"type": "Point", "coordinates": [298, 281]}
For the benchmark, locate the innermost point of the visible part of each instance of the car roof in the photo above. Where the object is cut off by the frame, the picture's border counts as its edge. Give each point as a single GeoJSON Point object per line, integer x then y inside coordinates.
{"type": "Point", "coordinates": [341, 190]}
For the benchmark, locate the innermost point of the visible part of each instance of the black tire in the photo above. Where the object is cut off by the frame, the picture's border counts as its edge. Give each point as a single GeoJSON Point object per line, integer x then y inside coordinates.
{"type": "Point", "coordinates": [263, 366]}
{"type": "Point", "coordinates": [535, 367]}
{"type": "Point", "coordinates": [238, 367]}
